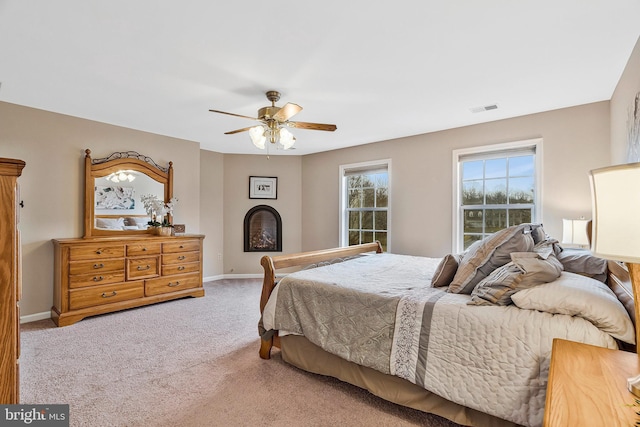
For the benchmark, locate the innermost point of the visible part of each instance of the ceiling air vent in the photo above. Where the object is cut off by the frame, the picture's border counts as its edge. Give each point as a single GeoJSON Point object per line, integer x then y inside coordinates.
{"type": "Point", "coordinates": [484, 108]}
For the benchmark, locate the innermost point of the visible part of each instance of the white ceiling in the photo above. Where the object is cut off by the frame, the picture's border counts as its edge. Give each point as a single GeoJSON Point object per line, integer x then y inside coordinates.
{"type": "Point", "coordinates": [377, 69]}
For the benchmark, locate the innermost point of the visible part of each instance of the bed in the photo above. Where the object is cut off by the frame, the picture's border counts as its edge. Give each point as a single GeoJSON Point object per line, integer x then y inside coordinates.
{"type": "Point", "coordinates": [416, 331]}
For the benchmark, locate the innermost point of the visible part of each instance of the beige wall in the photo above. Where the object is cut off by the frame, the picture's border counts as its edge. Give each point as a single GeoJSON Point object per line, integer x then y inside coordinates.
{"type": "Point", "coordinates": [237, 170]}
{"type": "Point", "coordinates": [621, 101]}
{"type": "Point", "coordinates": [575, 140]}
{"type": "Point", "coordinates": [52, 145]}
{"type": "Point", "coordinates": [211, 211]}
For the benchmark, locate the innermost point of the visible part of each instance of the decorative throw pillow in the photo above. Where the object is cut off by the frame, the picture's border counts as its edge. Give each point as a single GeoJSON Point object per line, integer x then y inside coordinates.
{"type": "Point", "coordinates": [526, 270]}
{"type": "Point", "coordinates": [576, 295]}
{"type": "Point", "coordinates": [490, 253]}
{"type": "Point", "coordinates": [445, 271]}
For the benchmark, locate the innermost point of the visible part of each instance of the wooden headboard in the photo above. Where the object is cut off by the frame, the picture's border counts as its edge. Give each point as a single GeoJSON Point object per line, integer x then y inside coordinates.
{"type": "Point", "coordinates": [620, 283]}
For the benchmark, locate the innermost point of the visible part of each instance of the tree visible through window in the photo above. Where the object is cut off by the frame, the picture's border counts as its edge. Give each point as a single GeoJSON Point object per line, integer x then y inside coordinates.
{"type": "Point", "coordinates": [367, 205]}
{"type": "Point", "coordinates": [496, 191]}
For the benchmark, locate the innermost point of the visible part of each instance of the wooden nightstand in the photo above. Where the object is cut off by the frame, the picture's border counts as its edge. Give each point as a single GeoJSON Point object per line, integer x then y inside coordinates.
{"type": "Point", "coordinates": [588, 386]}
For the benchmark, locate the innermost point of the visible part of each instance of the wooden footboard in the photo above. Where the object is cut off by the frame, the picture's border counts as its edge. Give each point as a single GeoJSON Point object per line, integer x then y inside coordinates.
{"type": "Point", "coordinates": [271, 264]}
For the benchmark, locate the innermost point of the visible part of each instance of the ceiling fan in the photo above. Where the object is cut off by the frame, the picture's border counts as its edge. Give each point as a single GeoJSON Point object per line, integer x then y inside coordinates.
{"type": "Point", "coordinates": [274, 121]}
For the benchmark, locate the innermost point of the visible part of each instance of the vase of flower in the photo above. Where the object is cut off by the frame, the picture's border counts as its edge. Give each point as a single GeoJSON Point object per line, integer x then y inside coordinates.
{"type": "Point", "coordinates": [159, 213]}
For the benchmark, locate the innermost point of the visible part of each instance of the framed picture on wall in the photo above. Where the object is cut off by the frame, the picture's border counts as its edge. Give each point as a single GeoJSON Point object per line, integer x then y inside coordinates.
{"type": "Point", "coordinates": [263, 187]}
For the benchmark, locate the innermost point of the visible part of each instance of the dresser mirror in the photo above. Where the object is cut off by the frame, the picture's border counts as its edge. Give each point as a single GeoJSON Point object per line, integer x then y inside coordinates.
{"type": "Point", "coordinates": [113, 189]}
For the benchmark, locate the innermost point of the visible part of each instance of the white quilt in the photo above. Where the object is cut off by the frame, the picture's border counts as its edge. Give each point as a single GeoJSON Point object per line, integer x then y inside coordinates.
{"type": "Point", "coordinates": [493, 359]}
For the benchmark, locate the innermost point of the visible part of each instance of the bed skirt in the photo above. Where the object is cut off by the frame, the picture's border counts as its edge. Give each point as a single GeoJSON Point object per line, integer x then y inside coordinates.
{"type": "Point", "coordinates": [300, 352]}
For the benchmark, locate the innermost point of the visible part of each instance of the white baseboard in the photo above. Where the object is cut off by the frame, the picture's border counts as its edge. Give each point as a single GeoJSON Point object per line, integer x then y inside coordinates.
{"type": "Point", "coordinates": [34, 317]}
{"type": "Point", "coordinates": [237, 276]}
{"type": "Point", "coordinates": [213, 278]}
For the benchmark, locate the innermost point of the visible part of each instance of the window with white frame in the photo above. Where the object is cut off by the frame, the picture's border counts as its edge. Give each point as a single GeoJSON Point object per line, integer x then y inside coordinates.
{"type": "Point", "coordinates": [496, 187]}
{"type": "Point", "coordinates": [364, 203]}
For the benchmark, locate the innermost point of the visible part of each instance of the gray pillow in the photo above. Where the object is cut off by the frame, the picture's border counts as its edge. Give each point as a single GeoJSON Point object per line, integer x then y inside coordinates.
{"type": "Point", "coordinates": [492, 252]}
{"type": "Point", "coordinates": [445, 271]}
{"type": "Point", "coordinates": [581, 261]}
{"type": "Point", "coordinates": [538, 233]}
{"type": "Point", "coordinates": [526, 270]}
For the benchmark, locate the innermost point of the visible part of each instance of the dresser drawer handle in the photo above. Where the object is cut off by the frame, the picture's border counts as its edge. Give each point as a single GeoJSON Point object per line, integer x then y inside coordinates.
{"type": "Point", "coordinates": [181, 268]}
{"type": "Point", "coordinates": [106, 295]}
{"type": "Point", "coordinates": [98, 278]}
{"type": "Point", "coordinates": [181, 257]}
{"type": "Point", "coordinates": [173, 285]}
{"type": "Point", "coordinates": [99, 251]}
{"type": "Point", "coordinates": [101, 265]}
{"type": "Point", "coordinates": [181, 246]}
{"type": "Point", "coordinates": [144, 249]}
{"type": "Point", "coordinates": [140, 268]}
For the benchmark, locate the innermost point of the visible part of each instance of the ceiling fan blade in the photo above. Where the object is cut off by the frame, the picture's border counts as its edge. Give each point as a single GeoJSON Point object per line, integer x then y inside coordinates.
{"type": "Point", "coordinates": [233, 114]}
{"type": "Point", "coordinates": [285, 113]}
{"type": "Point", "coordinates": [313, 126]}
{"type": "Point", "coordinates": [231, 132]}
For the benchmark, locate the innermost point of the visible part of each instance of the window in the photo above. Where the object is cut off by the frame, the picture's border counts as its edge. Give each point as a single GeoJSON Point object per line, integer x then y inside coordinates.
{"type": "Point", "coordinates": [496, 187]}
{"type": "Point", "coordinates": [364, 203]}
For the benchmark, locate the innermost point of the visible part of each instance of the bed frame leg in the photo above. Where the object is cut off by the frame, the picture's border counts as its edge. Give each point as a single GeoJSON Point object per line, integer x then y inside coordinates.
{"type": "Point", "coordinates": [265, 348]}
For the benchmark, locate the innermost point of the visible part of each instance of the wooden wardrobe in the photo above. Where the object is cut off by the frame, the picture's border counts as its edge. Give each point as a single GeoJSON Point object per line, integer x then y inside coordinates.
{"type": "Point", "coordinates": [10, 280]}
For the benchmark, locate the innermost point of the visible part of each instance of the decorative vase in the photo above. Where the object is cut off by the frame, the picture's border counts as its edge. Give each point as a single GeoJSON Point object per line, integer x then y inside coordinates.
{"type": "Point", "coordinates": [163, 231]}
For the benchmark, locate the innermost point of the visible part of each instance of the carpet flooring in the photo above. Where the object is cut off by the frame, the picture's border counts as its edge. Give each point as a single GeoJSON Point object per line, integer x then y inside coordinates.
{"type": "Point", "coordinates": [190, 362]}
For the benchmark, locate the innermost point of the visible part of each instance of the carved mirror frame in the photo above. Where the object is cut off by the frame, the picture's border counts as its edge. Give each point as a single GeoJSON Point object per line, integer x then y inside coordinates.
{"type": "Point", "coordinates": [126, 160]}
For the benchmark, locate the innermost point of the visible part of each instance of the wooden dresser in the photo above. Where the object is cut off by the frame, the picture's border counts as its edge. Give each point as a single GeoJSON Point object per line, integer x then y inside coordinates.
{"type": "Point", "coordinates": [104, 274]}
{"type": "Point", "coordinates": [10, 281]}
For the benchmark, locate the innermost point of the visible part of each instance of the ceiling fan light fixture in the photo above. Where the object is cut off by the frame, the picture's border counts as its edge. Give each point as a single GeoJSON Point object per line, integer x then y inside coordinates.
{"type": "Point", "coordinates": [286, 139]}
{"type": "Point", "coordinates": [274, 121]}
{"type": "Point", "coordinates": [257, 136]}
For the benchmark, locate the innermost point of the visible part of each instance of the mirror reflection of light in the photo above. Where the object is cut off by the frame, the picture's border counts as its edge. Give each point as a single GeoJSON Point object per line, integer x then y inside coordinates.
{"type": "Point", "coordinates": [121, 176]}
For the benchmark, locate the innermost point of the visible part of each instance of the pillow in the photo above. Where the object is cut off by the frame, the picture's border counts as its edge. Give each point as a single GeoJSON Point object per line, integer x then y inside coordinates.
{"type": "Point", "coordinates": [582, 262]}
{"type": "Point", "coordinates": [526, 270]}
{"type": "Point", "coordinates": [576, 295]}
{"type": "Point", "coordinates": [445, 271]}
{"type": "Point", "coordinates": [538, 233]}
{"type": "Point", "coordinates": [490, 253]}
{"type": "Point", "coordinates": [136, 222]}
{"type": "Point", "coordinates": [110, 223]}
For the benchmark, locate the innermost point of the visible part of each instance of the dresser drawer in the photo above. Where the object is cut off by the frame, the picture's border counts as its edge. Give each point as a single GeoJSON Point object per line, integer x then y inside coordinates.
{"type": "Point", "coordinates": [97, 251]}
{"type": "Point", "coordinates": [141, 268]}
{"type": "Point", "coordinates": [164, 285]}
{"type": "Point", "coordinates": [98, 295]}
{"type": "Point", "coordinates": [181, 246]}
{"type": "Point", "coordinates": [95, 279]}
{"type": "Point", "coordinates": [189, 267]}
{"type": "Point", "coordinates": [96, 266]}
{"type": "Point", "coordinates": [141, 249]}
{"type": "Point", "coordinates": [180, 258]}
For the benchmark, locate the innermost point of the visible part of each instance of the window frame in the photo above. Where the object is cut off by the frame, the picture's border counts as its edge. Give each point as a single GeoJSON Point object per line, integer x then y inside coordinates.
{"type": "Point", "coordinates": [486, 152]}
{"type": "Point", "coordinates": [343, 213]}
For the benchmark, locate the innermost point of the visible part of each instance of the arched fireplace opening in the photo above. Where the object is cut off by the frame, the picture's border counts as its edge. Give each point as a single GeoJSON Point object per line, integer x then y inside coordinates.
{"type": "Point", "coordinates": [262, 230]}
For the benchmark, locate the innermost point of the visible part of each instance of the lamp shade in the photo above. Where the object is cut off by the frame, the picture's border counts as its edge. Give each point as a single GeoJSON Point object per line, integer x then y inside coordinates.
{"type": "Point", "coordinates": [616, 212]}
{"type": "Point", "coordinates": [257, 136]}
{"type": "Point", "coordinates": [574, 231]}
{"type": "Point", "coordinates": [286, 139]}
